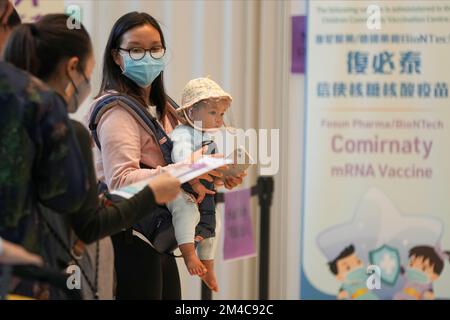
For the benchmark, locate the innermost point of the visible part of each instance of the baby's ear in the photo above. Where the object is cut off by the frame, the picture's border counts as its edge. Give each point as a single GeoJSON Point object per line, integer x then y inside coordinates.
{"type": "Point", "coordinates": [434, 276]}
{"type": "Point", "coordinates": [116, 57]}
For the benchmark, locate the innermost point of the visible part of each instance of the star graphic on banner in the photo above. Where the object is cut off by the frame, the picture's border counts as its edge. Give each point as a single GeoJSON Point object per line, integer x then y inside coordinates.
{"type": "Point", "coordinates": [379, 227]}
{"type": "Point", "coordinates": [378, 222]}
{"type": "Point", "coordinates": [388, 264]}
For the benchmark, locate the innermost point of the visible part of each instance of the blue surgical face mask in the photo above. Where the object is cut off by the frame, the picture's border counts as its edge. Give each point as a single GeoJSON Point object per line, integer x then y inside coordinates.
{"type": "Point", "coordinates": [355, 276]}
{"type": "Point", "coordinates": [142, 72]}
{"type": "Point", "coordinates": [82, 91]}
{"type": "Point", "coordinates": [414, 275]}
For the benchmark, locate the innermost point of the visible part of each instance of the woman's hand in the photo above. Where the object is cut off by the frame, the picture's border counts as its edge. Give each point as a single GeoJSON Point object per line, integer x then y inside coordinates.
{"type": "Point", "coordinates": [233, 182]}
{"type": "Point", "coordinates": [165, 187]}
{"type": "Point", "coordinates": [211, 176]}
{"type": "Point", "coordinates": [201, 191]}
{"type": "Point", "coordinates": [218, 179]}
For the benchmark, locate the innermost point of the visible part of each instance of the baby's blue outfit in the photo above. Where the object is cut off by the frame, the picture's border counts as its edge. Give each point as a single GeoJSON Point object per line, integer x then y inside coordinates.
{"type": "Point", "coordinates": [185, 212]}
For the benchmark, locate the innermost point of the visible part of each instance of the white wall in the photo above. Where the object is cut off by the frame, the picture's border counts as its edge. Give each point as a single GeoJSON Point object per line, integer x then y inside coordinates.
{"type": "Point", "coordinates": [285, 264]}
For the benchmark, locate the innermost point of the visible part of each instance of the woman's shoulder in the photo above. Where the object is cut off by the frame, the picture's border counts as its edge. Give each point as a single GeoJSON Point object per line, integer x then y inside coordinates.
{"type": "Point", "coordinates": [111, 111]}
{"type": "Point", "coordinates": [95, 102]}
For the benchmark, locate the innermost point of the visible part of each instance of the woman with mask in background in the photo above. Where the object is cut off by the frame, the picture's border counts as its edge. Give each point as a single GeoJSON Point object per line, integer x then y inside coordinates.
{"type": "Point", "coordinates": [134, 60]}
{"type": "Point", "coordinates": [37, 144]}
{"type": "Point", "coordinates": [63, 58]}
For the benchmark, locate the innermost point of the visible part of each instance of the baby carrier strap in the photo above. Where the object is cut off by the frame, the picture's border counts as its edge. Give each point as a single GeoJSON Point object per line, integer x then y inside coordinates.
{"type": "Point", "coordinates": [142, 116]}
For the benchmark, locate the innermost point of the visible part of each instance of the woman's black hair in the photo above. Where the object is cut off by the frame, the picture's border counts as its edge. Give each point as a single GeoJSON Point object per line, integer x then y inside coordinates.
{"type": "Point", "coordinates": [113, 79]}
{"type": "Point", "coordinates": [39, 47]}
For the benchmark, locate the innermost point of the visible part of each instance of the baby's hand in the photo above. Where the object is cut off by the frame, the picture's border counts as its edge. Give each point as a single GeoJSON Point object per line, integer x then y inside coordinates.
{"type": "Point", "coordinates": [201, 191]}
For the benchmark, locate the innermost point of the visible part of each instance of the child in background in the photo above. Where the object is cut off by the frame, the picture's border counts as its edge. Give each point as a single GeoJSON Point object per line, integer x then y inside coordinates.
{"type": "Point", "coordinates": [425, 266]}
{"type": "Point", "coordinates": [349, 269]}
{"type": "Point", "coordinates": [204, 104]}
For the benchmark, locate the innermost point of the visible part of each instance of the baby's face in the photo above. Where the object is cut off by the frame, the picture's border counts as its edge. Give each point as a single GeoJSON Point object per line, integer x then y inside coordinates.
{"type": "Point", "coordinates": [211, 113]}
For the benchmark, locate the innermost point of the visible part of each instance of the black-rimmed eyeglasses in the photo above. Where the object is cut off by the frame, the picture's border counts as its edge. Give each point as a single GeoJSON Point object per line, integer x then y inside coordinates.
{"type": "Point", "coordinates": [139, 53]}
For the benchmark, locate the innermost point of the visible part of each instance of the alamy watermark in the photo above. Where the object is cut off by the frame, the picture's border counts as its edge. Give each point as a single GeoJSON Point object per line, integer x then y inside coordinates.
{"type": "Point", "coordinates": [374, 18]}
{"type": "Point", "coordinates": [74, 278]}
{"type": "Point", "coordinates": [74, 19]}
{"type": "Point", "coordinates": [373, 281]}
{"type": "Point", "coordinates": [261, 145]}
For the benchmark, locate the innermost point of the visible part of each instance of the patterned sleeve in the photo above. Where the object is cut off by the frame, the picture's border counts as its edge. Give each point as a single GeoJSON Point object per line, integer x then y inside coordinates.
{"type": "Point", "coordinates": [60, 173]}
{"type": "Point", "coordinates": [39, 155]}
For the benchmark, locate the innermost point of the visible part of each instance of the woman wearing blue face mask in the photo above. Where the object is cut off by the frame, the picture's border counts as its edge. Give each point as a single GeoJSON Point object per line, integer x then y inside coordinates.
{"type": "Point", "coordinates": [126, 152]}
{"type": "Point", "coordinates": [63, 58]}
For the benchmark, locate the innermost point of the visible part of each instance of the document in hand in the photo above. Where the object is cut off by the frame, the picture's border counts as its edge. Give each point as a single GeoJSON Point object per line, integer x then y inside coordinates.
{"type": "Point", "coordinates": [183, 171]}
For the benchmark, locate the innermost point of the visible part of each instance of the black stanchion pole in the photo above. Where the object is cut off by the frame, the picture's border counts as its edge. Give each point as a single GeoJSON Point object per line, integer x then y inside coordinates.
{"type": "Point", "coordinates": [206, 292]}
{"type": "Point", "coordinates": [265, 188]}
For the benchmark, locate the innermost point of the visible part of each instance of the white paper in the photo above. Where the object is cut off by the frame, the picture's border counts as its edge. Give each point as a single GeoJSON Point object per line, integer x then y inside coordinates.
{"type": "Point", "coordinates": [183, 171]}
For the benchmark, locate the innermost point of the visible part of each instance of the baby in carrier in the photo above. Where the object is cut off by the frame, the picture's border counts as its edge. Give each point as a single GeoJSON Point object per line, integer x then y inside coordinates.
{"type": "Point", "coordinates": [203, 106]}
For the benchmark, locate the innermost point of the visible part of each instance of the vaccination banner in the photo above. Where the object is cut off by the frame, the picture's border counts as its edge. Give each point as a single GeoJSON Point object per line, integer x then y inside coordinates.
{"type": "Point", "coordinates": [376, 211]}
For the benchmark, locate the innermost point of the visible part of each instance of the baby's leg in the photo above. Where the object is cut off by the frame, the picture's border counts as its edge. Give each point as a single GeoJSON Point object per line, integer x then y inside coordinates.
{"type": "Point", "coordinates": [206, 255]}
{"type": "Point", "coordinates": [206, 251]}
{"type": "Point", "coordinates": [210, 276]}
{"type": "Point", "coordinates": [193, 263]}
{"type": "Point", "coordinates": [185, 217]}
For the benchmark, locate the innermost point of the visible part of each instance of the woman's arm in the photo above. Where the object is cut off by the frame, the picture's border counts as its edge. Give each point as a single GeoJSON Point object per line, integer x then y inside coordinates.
{"type": "Point", "coordinates": [11, 253]}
